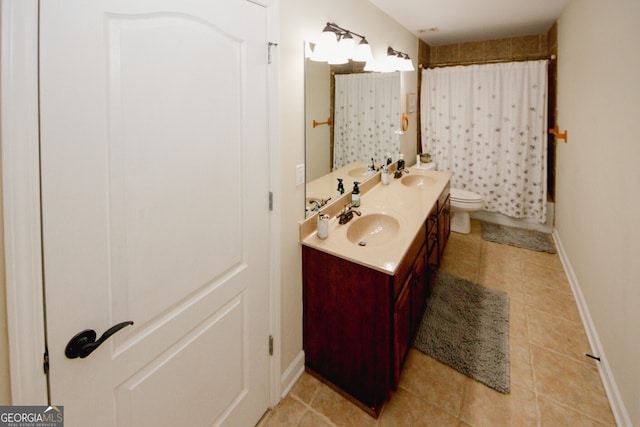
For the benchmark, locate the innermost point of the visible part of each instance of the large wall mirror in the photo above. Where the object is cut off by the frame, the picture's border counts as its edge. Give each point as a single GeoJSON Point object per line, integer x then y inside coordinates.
{"type": "Point", "coordinates": [341, 140]}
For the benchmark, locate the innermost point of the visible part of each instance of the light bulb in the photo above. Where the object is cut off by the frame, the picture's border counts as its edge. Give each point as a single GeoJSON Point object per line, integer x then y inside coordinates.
{"type": "Point", "coordinates": [326, 46]}
{"type": "Point", "coordinates": [363, 52]}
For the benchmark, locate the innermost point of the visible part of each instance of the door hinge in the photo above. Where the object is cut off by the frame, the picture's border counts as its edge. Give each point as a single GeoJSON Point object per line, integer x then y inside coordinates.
{"type": "Point", "coordinates": [269, 47]}
{"type": "Point", "coordinates": [270, 200]}
{"type": "Point", "coordinates": [45, 362]}
{"type": "Point", "coordinates": [270, 345]}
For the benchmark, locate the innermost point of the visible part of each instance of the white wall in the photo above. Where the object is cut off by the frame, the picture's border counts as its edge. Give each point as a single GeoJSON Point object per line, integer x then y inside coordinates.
{"type": "Point", "coordinates": [304, 20]}
{"type": "Point", "coordinates": [598, 175]}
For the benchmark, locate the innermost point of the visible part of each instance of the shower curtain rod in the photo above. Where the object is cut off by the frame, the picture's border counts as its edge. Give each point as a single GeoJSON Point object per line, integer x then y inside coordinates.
{"type": "Point", "coordinates": [489, 61]}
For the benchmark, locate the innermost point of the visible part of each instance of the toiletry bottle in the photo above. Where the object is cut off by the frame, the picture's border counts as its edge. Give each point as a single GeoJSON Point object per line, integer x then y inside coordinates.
{"type": "Point", "coordinates": [340, 190]}
{"type": "Point", "coordinates": [400, 161]}
{"type": "Point", "coordinates": [355, 195]}
{"type": "Point", "coordinates": [384, 175]}
{"type": "Point", "coordinates": [389, 160]}
{"type": "Point", "coordinates": [370, 170]}
{"type": "Point", "coordinates": [323, 226]}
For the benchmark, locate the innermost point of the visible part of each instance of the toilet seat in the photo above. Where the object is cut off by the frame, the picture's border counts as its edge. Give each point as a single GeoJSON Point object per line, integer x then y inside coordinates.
{"type": "Point", "coordinates": [464, 196]}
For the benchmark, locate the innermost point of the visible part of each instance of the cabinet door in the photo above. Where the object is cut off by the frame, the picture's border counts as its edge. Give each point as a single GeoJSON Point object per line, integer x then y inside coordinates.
{"type": "Point", "coordinates": [401, 328]}
{"type": "Point", "coordinates": [418, 290]}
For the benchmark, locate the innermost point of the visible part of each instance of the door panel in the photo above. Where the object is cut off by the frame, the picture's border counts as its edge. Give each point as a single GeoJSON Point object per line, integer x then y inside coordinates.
{"type": "Point", "coordinates": [154, 194]}
{"type": "Point", "coordinates": [173, 371]}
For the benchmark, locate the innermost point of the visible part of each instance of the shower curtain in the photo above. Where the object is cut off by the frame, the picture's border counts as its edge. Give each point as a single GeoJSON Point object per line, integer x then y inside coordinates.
{"type": "Point", "coordinates": [366, 114]}
{"type": "Point", "coordinates": [488, 125]}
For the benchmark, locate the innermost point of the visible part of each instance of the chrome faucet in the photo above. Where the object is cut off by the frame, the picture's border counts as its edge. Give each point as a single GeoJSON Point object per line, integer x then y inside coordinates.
{"type": "Point", "coordinates": [318, 203]}
{"type": "Point", "coordinates": [398, 173]}
{"type": "Point", "coordinates": [347, 214]}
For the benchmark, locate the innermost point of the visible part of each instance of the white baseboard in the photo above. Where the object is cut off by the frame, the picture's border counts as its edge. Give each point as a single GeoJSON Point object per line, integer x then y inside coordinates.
{"type": "Point", "coordinates": [291, 374]}
{"type": "Point", "coordinates": [613, 393]}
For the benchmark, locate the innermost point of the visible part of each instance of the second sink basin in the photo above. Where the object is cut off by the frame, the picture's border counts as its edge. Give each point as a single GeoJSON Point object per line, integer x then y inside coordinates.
{"type": "Point", "coordinates": [373, 229]}
{"type": "Point", "coordinates": [359, 172]}
{"type": "Point", "coordinates": [418, 180]}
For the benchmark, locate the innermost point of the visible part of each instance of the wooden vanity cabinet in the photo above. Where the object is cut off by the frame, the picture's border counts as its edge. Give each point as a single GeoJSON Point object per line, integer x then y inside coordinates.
{"type": "Point", "coordinates": [359, 323]}
{"type": "Point", "coordinates": [348, 327]}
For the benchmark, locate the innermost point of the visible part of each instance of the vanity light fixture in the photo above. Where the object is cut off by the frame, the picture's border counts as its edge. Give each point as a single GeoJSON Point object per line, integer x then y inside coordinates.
{"type": "Point", "coordinates": [398, 61]}
{"type": "Point", "coordinates": [337, 45]}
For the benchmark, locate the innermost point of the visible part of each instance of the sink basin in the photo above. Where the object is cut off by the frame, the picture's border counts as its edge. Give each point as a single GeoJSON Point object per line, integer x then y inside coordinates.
{"type": "Point", "coordinates": [358, 172]}
{"type": "Point", "coordinates": [418, 180]}
{"type": "Point", "coordinates": [373, 229]}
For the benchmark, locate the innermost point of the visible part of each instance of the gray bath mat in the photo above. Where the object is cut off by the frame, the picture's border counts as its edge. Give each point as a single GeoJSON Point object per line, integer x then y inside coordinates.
{"type": "Point", "coordinates": [466, 326]}
{"type": "Point", "coordinates": [527, 239]}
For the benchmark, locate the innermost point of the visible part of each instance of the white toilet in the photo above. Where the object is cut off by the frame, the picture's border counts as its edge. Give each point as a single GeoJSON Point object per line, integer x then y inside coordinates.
{"type": "Point", "coordinates": [463, 202]}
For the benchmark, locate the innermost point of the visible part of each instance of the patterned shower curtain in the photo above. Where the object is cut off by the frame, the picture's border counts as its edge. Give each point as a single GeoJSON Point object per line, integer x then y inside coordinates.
{"type": "Point", "coordinates": [488, 125]}
{"type": "Point", "coordinates": [366, 114]}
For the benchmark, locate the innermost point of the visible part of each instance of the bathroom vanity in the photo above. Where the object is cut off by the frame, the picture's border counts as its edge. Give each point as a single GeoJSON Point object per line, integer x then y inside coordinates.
{"type": "Point", "coordinates": [364, 302]}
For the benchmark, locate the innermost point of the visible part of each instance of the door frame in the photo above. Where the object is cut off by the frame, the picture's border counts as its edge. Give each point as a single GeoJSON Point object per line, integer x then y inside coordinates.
{"type": "Point", "coordinates": [19, 109]}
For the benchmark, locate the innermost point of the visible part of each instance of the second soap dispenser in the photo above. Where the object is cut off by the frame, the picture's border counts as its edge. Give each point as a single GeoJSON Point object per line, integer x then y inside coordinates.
{"type": "Point", "coordinates": [355, 194]}
{"type": "Point", "coordinates": [340, 190]}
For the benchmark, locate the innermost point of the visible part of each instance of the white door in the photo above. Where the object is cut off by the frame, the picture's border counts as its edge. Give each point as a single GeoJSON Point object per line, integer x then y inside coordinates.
{"type": "Point", "coordinates": [154, 156]}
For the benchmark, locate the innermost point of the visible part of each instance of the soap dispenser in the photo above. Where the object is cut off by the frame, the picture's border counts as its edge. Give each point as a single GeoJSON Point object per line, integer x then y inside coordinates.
{"type": "Point", "coordinates": [355, 194]}
{"type": "Point", "coordinates": [340, 190]}
{"type": "Point", "coordinates": [400, 161]}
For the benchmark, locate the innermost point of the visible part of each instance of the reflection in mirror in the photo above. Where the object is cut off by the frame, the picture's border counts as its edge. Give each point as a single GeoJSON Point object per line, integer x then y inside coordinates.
{"type": "Point", "coordinates": [351, 119]}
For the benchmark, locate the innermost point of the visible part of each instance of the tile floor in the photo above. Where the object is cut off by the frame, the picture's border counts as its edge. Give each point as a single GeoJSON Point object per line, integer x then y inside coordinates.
{"type": "Point", "coordinates": [552, 382]}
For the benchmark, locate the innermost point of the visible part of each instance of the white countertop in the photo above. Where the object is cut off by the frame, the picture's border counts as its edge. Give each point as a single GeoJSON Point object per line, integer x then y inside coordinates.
{"type": "Point", "coordinates": [409, 205]}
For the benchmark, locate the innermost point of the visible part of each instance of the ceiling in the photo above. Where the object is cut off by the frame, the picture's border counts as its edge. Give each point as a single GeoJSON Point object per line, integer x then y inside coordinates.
{"type": "Point", "coordinates": [441, 22]}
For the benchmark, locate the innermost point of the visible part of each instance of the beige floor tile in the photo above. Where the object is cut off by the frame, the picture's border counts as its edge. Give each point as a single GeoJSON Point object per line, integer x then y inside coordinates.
{"type": "Point", "coordinates": [461, 247]}
{"type": "Point", "coordinates": [287, 413]}
{"type": "Point", "coordinates": [476, 229]}
{"type": "Point", "coordinates": [521, 370]}
{"type": "Point", "coordinates": [494, 277]}
{"type": "Point", "coordinates": [504, 255]}
{"type": "Point", "coordinates": [432, 381]}
{"type": "Point", "coordinates": [518, 322]}
{"type": "Point", "coordinates": [408, 410]}
{"type": "Point", "coordinates": [559, 335]}
{"type": "Point", "coordinates": [339, 410]}
{"type": "Point", "coordinates": [306, 387]}
{"type": "Point", "coordinates": [460, 268]}
{"type": "Point", "coordinates": [311, 419]}
{"type": "Point", "coordinates": [570, 383]}
{"type": "Point", "coordinates": [537, 275]}
{"type": "Point", "coordinates": [483, 406]}
{"type": "Point", "coordinates": [553, 301]}
{"type": "Point", "coordinates": [542, 259]}
{"type": "Point", "coordinates": [554, 415]}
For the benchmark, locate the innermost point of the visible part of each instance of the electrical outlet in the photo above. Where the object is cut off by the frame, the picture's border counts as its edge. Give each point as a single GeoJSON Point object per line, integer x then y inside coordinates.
{"type": "Point", "coordinates": [300, 174]}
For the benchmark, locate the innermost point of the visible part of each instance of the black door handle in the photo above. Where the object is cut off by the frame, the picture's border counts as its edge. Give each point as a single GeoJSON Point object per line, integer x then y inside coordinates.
{"type": "Point", "coordinates": [85, 342]}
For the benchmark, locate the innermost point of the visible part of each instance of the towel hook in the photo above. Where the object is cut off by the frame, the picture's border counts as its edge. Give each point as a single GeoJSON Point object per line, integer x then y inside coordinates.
{"type": "Point", "coordinates": [556, 132]}
{"type": "Point", "coordinates": [328, 122]}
